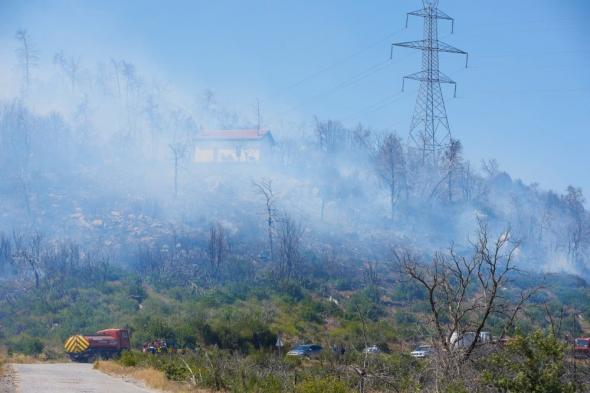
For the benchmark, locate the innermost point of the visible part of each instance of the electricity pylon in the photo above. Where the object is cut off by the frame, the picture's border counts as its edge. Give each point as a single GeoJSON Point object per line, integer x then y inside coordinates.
{"type": "Point", "coordinates": [429, 130]}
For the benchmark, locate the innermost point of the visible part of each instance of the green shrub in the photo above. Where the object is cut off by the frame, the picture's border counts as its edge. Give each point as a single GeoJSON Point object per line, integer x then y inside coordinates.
{"type": "Point", "coordinates": [176, 371]}
{"type": "Point", "coordinates": [268, 384]}
{"type": "Point", "coordinates": [26, 344]}
{"type": "Point", "coordinates": [456, 387]}
{"type": "Point", "coordinates": [533, 363]}
{"type": "Point", "coordinates": [345, 284]}
{"type": "Point", "coordinates": [290, 291]}
{"type": "Point", "coordinates": [324, 385]}
{"type": "Point", "coordinates": [129, 359]}
{"type": "Point", "coordinates": [312, 311]}
{"type": "Point", "coordinates": [134, 289]}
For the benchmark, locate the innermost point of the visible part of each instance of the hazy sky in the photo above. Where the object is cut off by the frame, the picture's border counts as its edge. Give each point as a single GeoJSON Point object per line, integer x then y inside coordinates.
{"type": "Point", "coordinates": [524, 100]}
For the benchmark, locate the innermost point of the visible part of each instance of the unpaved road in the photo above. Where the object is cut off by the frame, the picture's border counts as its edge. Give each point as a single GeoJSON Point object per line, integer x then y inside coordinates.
{"type": "Point", "coordinates": [69, 377]}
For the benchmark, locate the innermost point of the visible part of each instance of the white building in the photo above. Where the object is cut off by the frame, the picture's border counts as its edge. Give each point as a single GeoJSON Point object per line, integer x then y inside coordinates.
{"type": "Point", "coordinates": [245, 145]}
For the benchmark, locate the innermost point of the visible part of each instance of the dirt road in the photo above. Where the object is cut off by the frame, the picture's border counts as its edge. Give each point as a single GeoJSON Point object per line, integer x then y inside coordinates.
{"type": "Point", "coordinates": [69, 377]}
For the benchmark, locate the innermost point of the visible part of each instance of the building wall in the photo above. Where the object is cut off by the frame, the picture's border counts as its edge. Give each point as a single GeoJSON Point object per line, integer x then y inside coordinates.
{"type": "Point", "coordinates": [207, 153]}
{"type": "Point", "coordinates": [204, 155]}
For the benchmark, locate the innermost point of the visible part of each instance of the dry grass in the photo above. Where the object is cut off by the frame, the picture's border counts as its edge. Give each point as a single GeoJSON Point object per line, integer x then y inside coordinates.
{"type": "Point", "coordinates": [19, 358]}
{"type": "Point", "coordinates": [22, 359]}
{"type": "Point", "coordinates": [6, 374]}
{"type": "Point", "coordinates": [149, 376]}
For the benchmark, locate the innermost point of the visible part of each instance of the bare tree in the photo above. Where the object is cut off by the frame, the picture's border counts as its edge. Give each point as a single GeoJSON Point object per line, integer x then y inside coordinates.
{"type": "Point", "coordinates": [490, 168]}
{"type": "Point", "coordinates": [362, 371]}
{"type": "Point", "coordinates": [179, 152]}
{"type": "Point", "coordinates": [133, 84]}
{"type": "Point", "coordinates": [390, 166]}
{"type": "Point", "coordinates": [574, 200]}
{"type": "Point", "coordinates": [331, 135]}
{"type": "Point", "coordinates": [467, 182]}
{"type": "Point", "coordinates": [29, 255]}
{"type": "Point", "coordinates": [28, 55]}
{"type": "Point", "coordinates": [129, 72]}
{"type": "Point", "coordinates": [361, 137]}
{"type": "Point", "coordinates": [452, 158]}
{"type": "Point", "coordinates": [5, 251]}
{"type": "Point", "coordinates": [69, 66]}
{"type": "Point", "coordinates": [371, 279]}
{"type": "Point", "coordinates": [464, 293]}
{"type": "Point", "coordinates": [555, 321]}
{"type": "Point", "coordinates": [289, 235]}
{"type": "Point", "coordinates": [217, 247]}
{"type": "Point", "coordinates": [451, 162]}
{"type": "Point", "coordinates": [152, 111]}
{"type": "Point", "coordinates": [264, 189]}
{"type": "Point", "coordinates": [23, 177]}
{"type": "Point", "coordinates": [329, 185]}
{"type": "Point", "coordinates": [117, 71]}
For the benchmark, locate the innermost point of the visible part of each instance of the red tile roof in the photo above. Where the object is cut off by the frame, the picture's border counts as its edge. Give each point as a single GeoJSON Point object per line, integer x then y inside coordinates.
{"type": "Point", "coordinates": [227, 135]}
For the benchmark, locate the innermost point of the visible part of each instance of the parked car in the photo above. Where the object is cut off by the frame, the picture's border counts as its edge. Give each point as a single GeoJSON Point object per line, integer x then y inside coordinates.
{"type": "Point", "coordinates": [372, 349]}
{"type": "Point", "coordinates": [422, 351]}
{"type": "Point", "coordinates": [306, 350]}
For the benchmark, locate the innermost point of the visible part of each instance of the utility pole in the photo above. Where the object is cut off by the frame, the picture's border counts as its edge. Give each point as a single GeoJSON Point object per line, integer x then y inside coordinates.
{"type": "Point", "coordinates": [429, 130]}
{"type": "Point", "coordinates": [259, 119]}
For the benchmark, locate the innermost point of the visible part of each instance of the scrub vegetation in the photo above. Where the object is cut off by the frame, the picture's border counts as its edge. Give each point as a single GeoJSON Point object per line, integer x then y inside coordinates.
{"type": "Point", "coordinates": [343, 236]}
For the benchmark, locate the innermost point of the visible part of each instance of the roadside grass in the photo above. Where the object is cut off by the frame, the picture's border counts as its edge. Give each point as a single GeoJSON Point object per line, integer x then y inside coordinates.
{"type": "Point", "coordinates": [19, 358]}
{"type": "Point", "coordinates": [149, 376]}
{"type": "Point", "coordinates": [6, 374]}
{"type": "Point", "coordinates": [2, 363]}
{"type": "Point", "coordinates": [16, 358]}
{"type": "Point", "coordinates": [49, 354]}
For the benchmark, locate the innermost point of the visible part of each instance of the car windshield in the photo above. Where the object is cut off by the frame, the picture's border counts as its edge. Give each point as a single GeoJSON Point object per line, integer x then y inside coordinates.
{"type": "Point", "coordinates": [423, 348]}
{"type": "Point", "coordinates": [302, 348]}
{"type": "Point", "coordinates": [582, 342]}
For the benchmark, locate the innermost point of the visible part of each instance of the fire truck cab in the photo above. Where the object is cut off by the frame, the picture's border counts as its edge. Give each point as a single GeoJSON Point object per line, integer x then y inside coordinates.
{"type": "Point", "coordinates": [582, 347]}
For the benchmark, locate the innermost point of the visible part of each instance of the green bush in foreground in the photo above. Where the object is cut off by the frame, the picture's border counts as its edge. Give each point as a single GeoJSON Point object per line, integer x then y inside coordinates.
{"type": "Point", "coordinates": [530, 364]}
{"type": "Point", "coordinates": [324, 385]}
{"type": "Point", "coordinates": [26, 344]}
{"type": "Point", "coordinates": [129, 359]}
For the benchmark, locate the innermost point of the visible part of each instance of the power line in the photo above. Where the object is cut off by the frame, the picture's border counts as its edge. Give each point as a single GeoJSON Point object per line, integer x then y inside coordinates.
{"type": "Point", "coordinates": [527, 92]}
{"type": "Point", "coordinates": [383, 102]}
{"type": "Point", "coordinates": [525, 53]}
{"type": "Point", "coordinates": [352, 80]}
{"type": "Point", "coordinates": [335, 64]}
{"type": "Point", "coordinates": [521, 23]}
{"type": "Point", "coordinates": [373, 69]}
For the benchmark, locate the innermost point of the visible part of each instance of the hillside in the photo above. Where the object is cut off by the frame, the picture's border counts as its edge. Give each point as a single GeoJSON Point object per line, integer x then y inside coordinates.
{"type": "Point", "coordinates": [318, 232]}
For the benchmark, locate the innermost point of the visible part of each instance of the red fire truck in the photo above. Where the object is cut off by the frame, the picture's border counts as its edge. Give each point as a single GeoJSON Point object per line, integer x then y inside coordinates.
{"type": "Point", "coordinates": [104, 344]}
{"type": "Point", "coordinates": [582, 347]}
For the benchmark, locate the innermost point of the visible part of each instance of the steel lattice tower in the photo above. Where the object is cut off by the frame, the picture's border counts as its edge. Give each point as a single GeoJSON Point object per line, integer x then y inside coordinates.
{"type": "Point", "coordinates": [429, 130]}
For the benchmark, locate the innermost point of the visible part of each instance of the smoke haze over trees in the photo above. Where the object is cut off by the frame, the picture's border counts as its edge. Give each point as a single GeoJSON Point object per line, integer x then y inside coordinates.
{"type": "Point", "coordinates": [341, 234]}
{"type": "Point", "coordinates": [102, 154]}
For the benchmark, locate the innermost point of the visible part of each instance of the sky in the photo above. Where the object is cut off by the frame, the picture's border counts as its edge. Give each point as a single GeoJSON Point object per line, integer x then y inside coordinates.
{"type": "Point", "coordinates": [524, 99]}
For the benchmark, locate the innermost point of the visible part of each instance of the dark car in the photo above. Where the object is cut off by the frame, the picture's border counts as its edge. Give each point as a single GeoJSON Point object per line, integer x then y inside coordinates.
{"type": "Point", "coordinates": [306, 350]}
